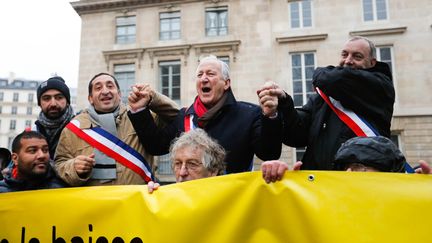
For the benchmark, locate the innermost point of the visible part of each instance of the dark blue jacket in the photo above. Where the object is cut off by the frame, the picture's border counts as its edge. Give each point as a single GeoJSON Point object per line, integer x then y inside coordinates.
{"type": "Point", "coordinates": [239, 127]}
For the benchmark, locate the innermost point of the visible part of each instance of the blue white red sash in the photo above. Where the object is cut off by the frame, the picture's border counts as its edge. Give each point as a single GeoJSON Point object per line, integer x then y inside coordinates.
{"type": "Point", "coordinates": [359, 126]}
{"type": "Point", "coordinates": [114, 148]}
{"type": "Point", "coordinates": [188, 123]}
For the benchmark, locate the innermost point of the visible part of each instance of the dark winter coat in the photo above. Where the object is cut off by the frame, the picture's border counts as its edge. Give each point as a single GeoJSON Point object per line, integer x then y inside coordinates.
{"type": "Point", "coordinates": [239, 127]}
{"type": "Point", "coordinates": [367, 92]}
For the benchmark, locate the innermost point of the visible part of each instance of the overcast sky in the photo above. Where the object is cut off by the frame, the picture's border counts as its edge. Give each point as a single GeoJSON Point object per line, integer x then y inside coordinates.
{"type": "Point", "coordinates": [39, 38]}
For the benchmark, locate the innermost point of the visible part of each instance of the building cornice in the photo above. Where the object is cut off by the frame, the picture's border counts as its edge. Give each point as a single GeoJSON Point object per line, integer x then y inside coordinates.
{"type": "Point", "coordinates": [182, 50]}
{"type": "Point", "coordinates": [94, 6]}
{"type": "Point", "coordinates": [136, 53]}
{"type": "Point", "coordinates": [174, 50]}
{"type": "Point", "coordinates": [412, 112]}
{"type": "Point", "coordinates": [383, 31]}
{"type": "Point", "coordinates": [213, 47]}
{"type": "Point", "coordinates": [300, 38]}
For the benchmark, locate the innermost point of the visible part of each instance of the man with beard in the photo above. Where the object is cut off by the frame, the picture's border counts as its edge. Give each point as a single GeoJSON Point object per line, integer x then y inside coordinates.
{"type": "Point", "coordinates": [54, 100]}
{"type": "Point", "coordinates": [100, 146]}
{"type": "Point", "coordinates": [354, 99]}
{"type": "Point", "coordinates": [32, 169]}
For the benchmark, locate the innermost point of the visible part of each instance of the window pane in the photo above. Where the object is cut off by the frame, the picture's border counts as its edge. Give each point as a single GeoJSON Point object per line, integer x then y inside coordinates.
{"type": "Point", "coordinates": [296, 73]}
{"type": "Point", "coordinates": [297, 87]}
{"type": "Point", "coordinates": [296, 60]}
{"type": "Point", "coordinates": [125, 75]}
{"type": "Point", "coordinates": [165, 81]}
{"type": "Point", "coordinates": [298, 100]}
{"type": "Point", "coordinates": [176, 94]}
{"type": "Point", "coordinates": [309, 59]}
{"type": "Point", "coordinates": [169, 26]}
{"type": "Point", "coordinates": [165, 91]}
{"type": "Point", "coordinates": [385, 54]}
{"type": "Point", "coordinates": [176, 81]}
{"type": "Point", "coordinates": [125, 30]}
{"type": "Point", "coordinates": [170, 79]}
{"type": "Point", "coordinates": [216, 21]}
{"type": "Point", "coordinates": [381, 9]}
{"type": "Point", "coordinates": [164, 70]}
{"type": "Point", "coordinates": [309, 72]}
{"type": "Point", "coordinates": [295, 15]}
{"type": "Point", "coordinates": [367, 10]}
{"type": "Point", "coordinates": [303, 66]}
{"type": "Point", "coordinates": [307, 13]}
{"type": "Point", "coordinates": [309, 87]}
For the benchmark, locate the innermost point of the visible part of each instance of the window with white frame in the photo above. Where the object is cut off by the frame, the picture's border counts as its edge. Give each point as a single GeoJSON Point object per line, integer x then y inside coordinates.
{"type": "Point", "coordinates": [15, 97]}
{"type": "Point", "coordinates": [125, 75]}
{"type": "Point", "coordinates": [169, 26]}
{"type": "Point", "coordinates": [374, 10]}
{"type": "Point", "coordinates": [169, 79]}
{"type": "Point", "coordinates": [14, 110]}
{"type": "Point", "coordinates": [1, 96]}
{"type": "Point", "coordinates": [125, 29]}
{"type": "Point", "coordinates": [385, 54]}
{"type": "Point", "coordinates": [29, 110]}
{"type": "Point", "coordinates": [1, 109]}
{"type": "Point", "coordinates": [28, 123]}
{"type": "Point", "coordinates": [216, 21]}
{"type": "Point", "coordinates": [301, 13]}
{"type": "Point", "coordinates": [224, 59]}
{"type": "Point", "coordinates": [302, 68]}
{"type": "Point", "coordinates": [12, 125]}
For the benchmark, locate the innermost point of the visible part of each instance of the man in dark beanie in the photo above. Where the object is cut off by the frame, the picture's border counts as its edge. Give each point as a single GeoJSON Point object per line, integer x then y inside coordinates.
{"type": "Point", "coordinates": [370, 154]}
{"type": "Point", "coordinates": [54, 100]}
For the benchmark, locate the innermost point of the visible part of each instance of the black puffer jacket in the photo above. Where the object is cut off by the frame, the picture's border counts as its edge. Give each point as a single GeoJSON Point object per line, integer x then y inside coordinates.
{"type": "Point", "coordinates": [368, 92]}
{"type": "Point", "coordinates": [239, 127]}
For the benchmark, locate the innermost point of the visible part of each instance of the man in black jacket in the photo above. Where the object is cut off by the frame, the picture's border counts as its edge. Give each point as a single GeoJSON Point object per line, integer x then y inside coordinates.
{"type": "Point", "coordinates": [359, 86]}
{"type": "Point", "coordinates": [243, 129]}
{"type": "Point", "coordinates": [54, 100]}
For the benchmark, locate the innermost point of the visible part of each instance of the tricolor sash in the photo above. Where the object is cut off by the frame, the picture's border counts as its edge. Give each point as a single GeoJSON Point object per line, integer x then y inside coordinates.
{"type": "Point", "coordinates": [188, 123]}
{"type": "Point", "coordinates": [114, 148]}
{"type": "Point", "coordinates": [359, 126]}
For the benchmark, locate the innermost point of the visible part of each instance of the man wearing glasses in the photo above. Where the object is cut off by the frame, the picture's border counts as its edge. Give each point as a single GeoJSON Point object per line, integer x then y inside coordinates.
{"type": "Point", "coordinates": [194, 155]}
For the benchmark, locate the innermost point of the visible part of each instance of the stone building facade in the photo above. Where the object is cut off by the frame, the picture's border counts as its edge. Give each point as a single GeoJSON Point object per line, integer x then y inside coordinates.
{"type": "Point", "coordinates": [160, 42]}
{"type": "Point", "coordinates": [18, 108]}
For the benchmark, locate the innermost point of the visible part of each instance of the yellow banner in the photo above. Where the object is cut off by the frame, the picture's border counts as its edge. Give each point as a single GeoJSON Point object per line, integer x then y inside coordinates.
{"type": "Point", "coordinates": [306, 206]}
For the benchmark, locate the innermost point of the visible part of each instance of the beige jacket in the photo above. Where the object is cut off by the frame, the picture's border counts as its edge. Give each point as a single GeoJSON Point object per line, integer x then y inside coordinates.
{"type": "Point", "coordinates": [70, 145]}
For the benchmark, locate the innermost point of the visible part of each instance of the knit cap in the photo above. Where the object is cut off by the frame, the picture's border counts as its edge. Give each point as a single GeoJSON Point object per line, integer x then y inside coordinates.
{"type": "Point", "coordinates": [57, 83]}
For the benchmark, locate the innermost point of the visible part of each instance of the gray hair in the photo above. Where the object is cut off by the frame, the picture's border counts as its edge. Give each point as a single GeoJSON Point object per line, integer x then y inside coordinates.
{"type": "Point", "coordinates": [213, 153]}
{"type": "Point", "coordinates": [372, 47]}
{"type": "Point", "coordinates": [224, 67]}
